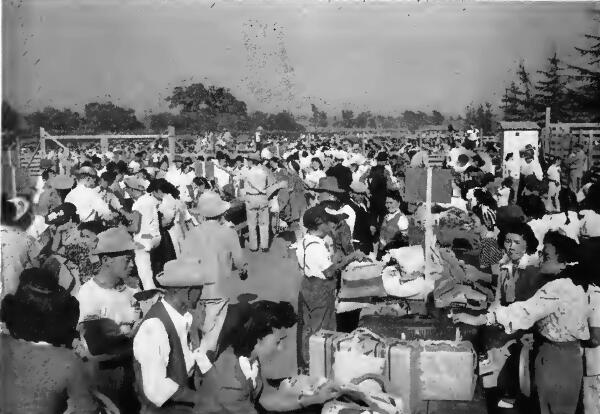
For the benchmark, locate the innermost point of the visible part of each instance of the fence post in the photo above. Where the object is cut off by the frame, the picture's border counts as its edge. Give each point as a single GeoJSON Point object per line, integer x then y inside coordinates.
{"type": "Point", "coordinates": [171, 132]}
{"type": "Point", "coordinates": [590, 147]}
{"type": "Point", "coordinates": [42, 141]}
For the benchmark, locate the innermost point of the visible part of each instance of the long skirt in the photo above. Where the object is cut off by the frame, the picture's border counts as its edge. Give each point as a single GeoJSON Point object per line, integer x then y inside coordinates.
{"type": "Point", "coordinates": [316, 310]}
{"type": "Point", "coordinates": [558, 377]}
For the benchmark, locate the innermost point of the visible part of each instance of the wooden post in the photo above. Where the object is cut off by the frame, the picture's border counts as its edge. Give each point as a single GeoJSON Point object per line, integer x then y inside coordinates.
{"type": "Point", "coordinates": [428, 224]}
{"type": "Point", "coordinates": [171, 138]}
{"type": "Point", "coordinates": [590, 147]}
{"type": "Point", "coordinates": [42, 141]}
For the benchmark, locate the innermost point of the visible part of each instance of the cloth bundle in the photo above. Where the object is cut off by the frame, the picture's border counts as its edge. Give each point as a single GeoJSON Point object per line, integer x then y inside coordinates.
{"type": "Point", "coordinates": [460, 284]}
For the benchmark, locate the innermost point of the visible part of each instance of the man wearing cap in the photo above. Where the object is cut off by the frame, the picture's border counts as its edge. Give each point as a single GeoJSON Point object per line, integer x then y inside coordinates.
{"type": "Point", "coordinates": [316, 300]}
{"type": "Point", "coordinates": [164, 361]}
{"type": "Point", "coordinates": [108, 313]}
{"type": "Point", "coordinates": [256, 181]}
{"type": "Point", "coordinates": [217, 246]}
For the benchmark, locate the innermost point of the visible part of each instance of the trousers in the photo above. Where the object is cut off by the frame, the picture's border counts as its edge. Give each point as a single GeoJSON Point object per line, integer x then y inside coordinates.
{"type": "Point", "coordinates": [558, 377]}
{"type": "Point", "coordinates": [316, 310]}
{"type": "Point", "coordinates": [257, 215]}
{"type": "Point", "coordinates": [144, 268]}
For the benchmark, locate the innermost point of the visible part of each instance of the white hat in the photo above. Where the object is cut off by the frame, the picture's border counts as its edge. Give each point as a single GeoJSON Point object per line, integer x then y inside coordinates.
{"type": "Point", "coordinates": [210, 204]}
{"type": "Point", "coordinates": [115, 240]}
{"type": "Point", "coordinates": [186, 272]}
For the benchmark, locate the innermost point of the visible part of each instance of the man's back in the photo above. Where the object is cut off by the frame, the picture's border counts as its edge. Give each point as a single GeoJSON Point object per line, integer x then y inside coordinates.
{"type": "Point", "coordinates": [215, 245]}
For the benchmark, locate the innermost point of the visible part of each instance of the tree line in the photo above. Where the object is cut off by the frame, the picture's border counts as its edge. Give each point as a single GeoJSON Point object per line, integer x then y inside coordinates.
{"type": "Point", "coordinates": [571, 91]}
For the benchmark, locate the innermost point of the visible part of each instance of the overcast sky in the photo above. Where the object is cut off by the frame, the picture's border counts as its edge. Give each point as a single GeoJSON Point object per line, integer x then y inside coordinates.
{"type": "Point", "coordinates": [385, 57]}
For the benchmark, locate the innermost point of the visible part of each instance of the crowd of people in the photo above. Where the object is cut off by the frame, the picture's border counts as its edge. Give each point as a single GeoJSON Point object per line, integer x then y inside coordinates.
{"type": "Point", "coordinates": [113, 268]}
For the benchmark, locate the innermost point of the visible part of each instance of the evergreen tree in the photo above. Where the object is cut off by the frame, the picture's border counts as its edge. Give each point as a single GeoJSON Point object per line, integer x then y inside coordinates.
{"type": "Point", "coordinates": [526, 94]}
{"type": "Point", "coordinates": [587, 94]}
{"type": "Point", "coordinates": [552, 91]}
{"type": "Point", "coordinates": [511, 103]}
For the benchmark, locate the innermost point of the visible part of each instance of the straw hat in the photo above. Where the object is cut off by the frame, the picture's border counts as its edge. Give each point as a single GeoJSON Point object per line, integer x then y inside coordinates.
{"type": "Point", "coordinates": [210, 204]}
{"type": "Point", "coordinates": [185, 272]}
{"type": "Point", "coordinates": [330, 185]}
{"type": "Point", "coordinates": [115, 240]}
{"type": "Point", "coordinates": [135, 183]}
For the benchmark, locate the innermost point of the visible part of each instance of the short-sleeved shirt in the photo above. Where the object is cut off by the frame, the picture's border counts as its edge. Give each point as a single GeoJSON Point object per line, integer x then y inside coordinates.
{"type": "Point", "coordinates": [97, 302]}
{"type": "Point", "coordinates": [314, 256]}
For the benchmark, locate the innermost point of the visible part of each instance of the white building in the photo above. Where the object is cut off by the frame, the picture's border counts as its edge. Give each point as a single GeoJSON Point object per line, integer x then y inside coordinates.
{"type": "Point", "coordinates": [517, 135]}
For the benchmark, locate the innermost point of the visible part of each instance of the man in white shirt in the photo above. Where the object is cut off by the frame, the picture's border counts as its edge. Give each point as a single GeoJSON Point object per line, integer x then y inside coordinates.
{"type": "Point", "coordinates": [551, 199]}
{"type": "Point", "coordinates": [164, 361]}
{"type": "Point", "coordinates": [256, 180]}
{"type": "Point", "coordinates": [86, 197]}
{"type": "Point", "coordinates": [148, 234]}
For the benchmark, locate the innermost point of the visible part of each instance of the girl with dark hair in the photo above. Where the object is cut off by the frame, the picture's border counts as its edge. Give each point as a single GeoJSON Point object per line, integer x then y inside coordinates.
{"type": "Point", "coordinates": [19, 250]}
{"type": "Point", "coordinates": [251, 334]}
{"type": "Point", "coordinates": [41, 319]}
{"type": "Point", "coordinates": [558, 310]}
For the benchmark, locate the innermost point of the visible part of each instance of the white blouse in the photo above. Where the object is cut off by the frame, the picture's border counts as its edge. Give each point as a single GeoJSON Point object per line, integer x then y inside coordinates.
{"type": "Point", "coordinates": [560, 309]}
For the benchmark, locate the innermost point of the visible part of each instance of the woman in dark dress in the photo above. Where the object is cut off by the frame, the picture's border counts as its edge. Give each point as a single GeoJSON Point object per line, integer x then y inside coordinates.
{"type": "Point", "coordinates": [253, 332]}
{"type": "Point", "coordinates": [40, 371]}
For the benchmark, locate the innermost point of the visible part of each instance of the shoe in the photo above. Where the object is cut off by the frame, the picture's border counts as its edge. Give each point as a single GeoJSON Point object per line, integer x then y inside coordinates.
{"type": "Point", "coordinates": [265, 250]}
{"type": "Point", "coordinates": [505, 403]}
{"type": "Point", "coordinates": [253, 250]}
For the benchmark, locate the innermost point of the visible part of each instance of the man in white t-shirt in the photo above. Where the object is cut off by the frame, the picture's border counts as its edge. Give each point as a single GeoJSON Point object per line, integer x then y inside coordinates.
{"type": "Point", "coordinates": [108, 314]}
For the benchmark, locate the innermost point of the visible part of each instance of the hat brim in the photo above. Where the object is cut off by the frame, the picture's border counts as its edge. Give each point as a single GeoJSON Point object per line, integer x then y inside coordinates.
{"type": "Point", "coordinates": [125, 250]}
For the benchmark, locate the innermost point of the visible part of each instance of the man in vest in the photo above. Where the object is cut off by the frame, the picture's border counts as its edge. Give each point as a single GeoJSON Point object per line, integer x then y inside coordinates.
{"type": "Point", "coordinates": [164, 362]}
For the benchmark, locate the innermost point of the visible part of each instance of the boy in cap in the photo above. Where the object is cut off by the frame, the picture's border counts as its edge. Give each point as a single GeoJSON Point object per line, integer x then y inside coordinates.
{"type": "Point", "coordinates": [164, 362]}
{"type": "Point", "coordinates": [316, 300]}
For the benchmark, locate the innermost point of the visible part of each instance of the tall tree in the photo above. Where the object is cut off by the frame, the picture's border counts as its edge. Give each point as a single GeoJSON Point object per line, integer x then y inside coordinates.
{"type": "Point", "coordinates": [526, 96]}
{"type": "Point", "coordinates": [284, 121]}
{"type": "Point", "coordinates": [437, 118]}
{"type": "Point", "coordinates": [347, 118]}
{"type": "Point", "coordinates": [10, 117]}
{"type": "Point", "coordinates": [108, 117]}
{"type": "Point", "coordinates": [587, 93]}
{"type": "Point", "coordinates": [319, 118]}
{"type": "Point", "coordinates": [362, 119]}
{"type": "Point", "coordinates": [552, 91]}
{"type": "Point", "coordinates": [55, 120]}
{"type": "Point", "coordinates": [511, 103]}
{"type": "Point", "coordinates": [197, 98]}
{"type": "Point", "coordinates": [480, 117]}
